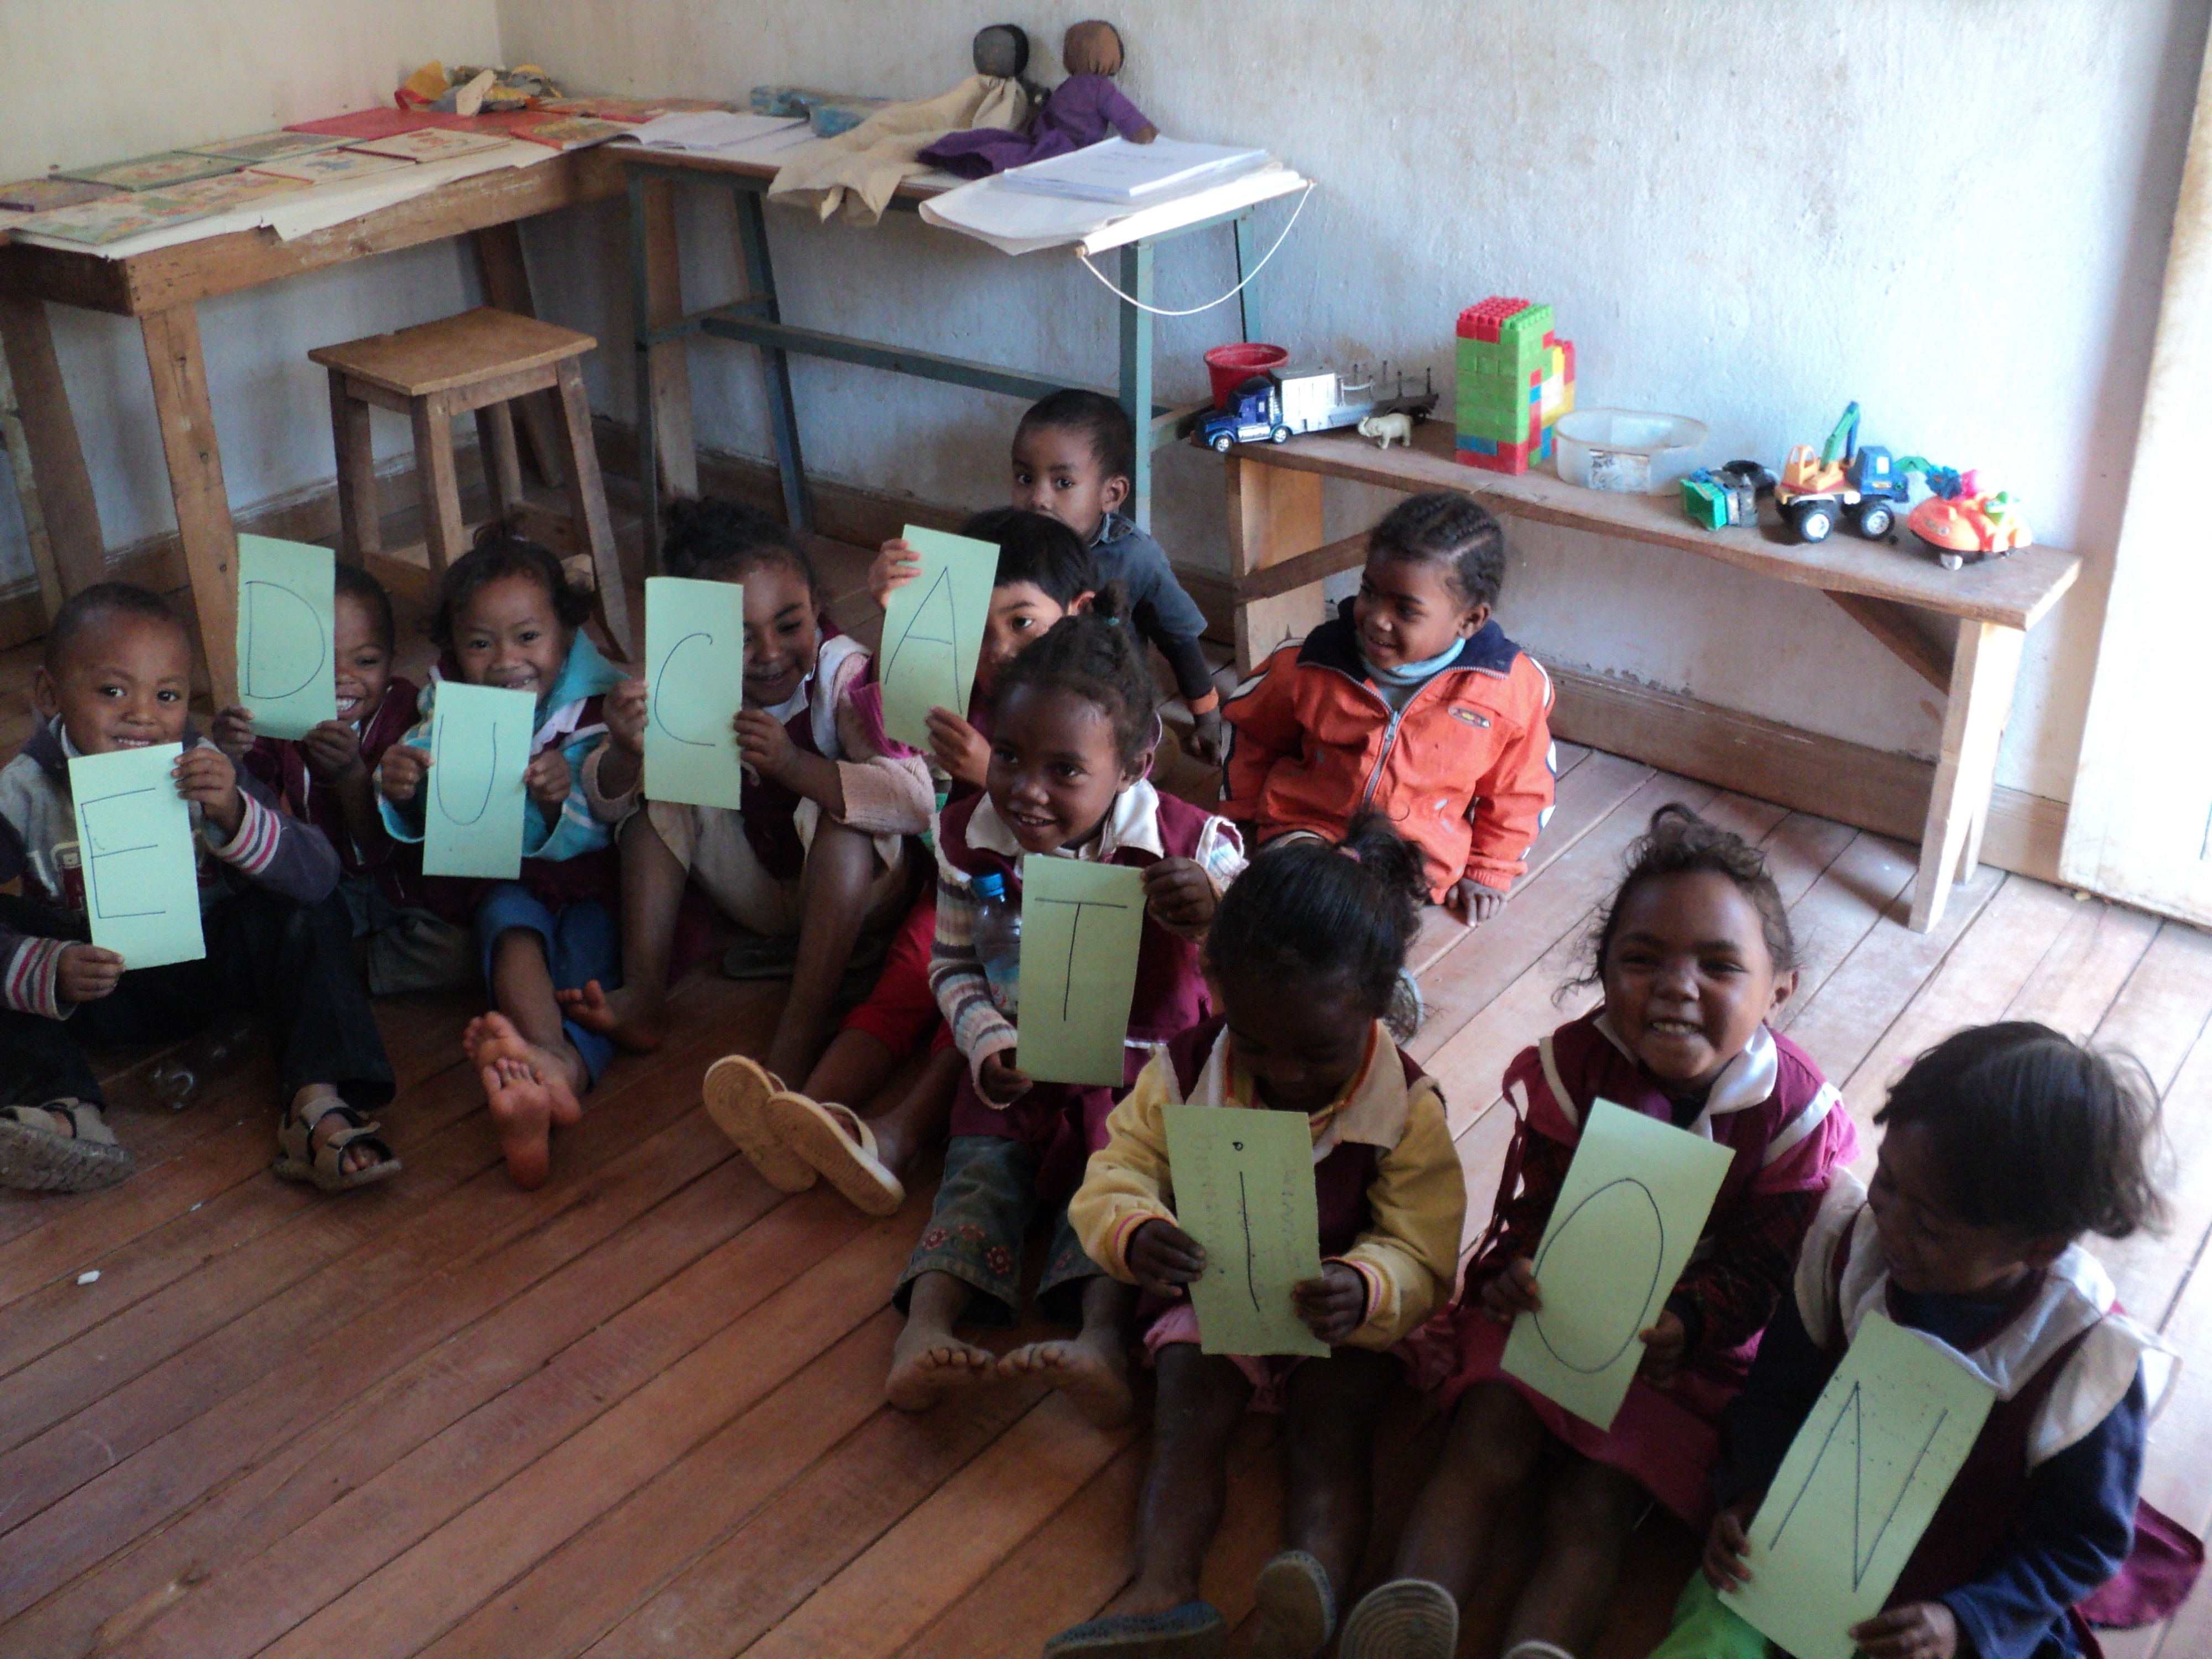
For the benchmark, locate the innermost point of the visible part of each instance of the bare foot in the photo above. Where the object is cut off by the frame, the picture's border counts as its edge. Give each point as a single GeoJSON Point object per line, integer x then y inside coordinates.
{"type": "Point", "coordinates": [925, 1362]}
{"type": "Point", "coordinates": [624, 1018]}
{"type": "Point", "coordinates": [528, 1088]}
{"type": "Point", "coordinates": [1095, 1378]}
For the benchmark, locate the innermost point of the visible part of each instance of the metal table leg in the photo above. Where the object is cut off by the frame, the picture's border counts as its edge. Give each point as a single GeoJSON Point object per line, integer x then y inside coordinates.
{"type": "Point", "coordinates": [782, 414]}
{"type": "Point", "coordinates": [641, 300]}
{"type": "Point", "coordinates": [1136, 387]}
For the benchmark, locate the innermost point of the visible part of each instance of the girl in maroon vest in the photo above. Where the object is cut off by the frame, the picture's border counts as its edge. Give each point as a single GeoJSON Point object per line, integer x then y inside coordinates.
{"type": "Point", "coordinates": [2004, 1145]}
{"type": "Point", "coordinates": [1304, 958]}
{"type": "Point", "coordinates": [1694, 955]}
{"type": "Point", "coordinates": [1073, 738]}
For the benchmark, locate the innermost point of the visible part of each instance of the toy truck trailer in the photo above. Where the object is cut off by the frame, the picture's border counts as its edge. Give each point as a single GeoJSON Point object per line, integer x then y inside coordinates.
{"type": "Point", "coordinates": [1275, 408]}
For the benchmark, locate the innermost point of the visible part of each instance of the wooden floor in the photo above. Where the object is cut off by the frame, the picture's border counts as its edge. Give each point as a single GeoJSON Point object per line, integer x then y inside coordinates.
{"type": "Point", "coordinates": [638, 1412]}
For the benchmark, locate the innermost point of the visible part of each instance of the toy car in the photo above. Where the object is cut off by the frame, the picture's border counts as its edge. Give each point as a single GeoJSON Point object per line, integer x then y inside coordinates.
{"type": "Point", "coordinates": [1714, 497]}
{"type": "Point", "coordinates": [1970, 526]}
{"type": "Point", "coordinates": [1843, 482]}
{"type": "Point", "coordinates": [1274, 408]}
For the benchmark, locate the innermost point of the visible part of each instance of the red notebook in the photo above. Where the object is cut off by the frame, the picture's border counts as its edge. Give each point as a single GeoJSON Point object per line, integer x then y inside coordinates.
{"type": "Point", "coordinates": [376, 123]}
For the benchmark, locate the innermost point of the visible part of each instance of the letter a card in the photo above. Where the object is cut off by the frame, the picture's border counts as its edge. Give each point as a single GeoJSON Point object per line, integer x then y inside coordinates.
{"type": "Point", "coordinates": [1861, 1483]}
{"type": "Point", "coordinates": [1082, 926]}
{"type": "Point", "coordinates": [933, 632]}
{"type": "Point", "coordinates": [286, 626]}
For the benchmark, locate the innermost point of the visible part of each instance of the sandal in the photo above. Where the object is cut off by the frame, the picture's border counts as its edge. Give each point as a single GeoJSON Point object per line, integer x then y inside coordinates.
{"type": "Point", "coordinates": [840, 1146]}
{"type": "Point", "coordinates": [1405, 1619]}
{"type": "Point", "coordinates": [737, 1091]}
{"type": "Point", "coordinates": [1195, 1629]}
{"type": "Point", "coordinates": [35, 1157]}
{"type": "Point", "coordinates": [324, 1166]}
{"type": "Point", "coordinates": [1293, 1607]}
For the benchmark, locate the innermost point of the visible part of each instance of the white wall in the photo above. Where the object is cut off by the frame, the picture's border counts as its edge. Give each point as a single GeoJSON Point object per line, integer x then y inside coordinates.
{"type": "Point", "coordinates": [1955, 210]}
{"type": "Point", "coordinates": [88, 83]}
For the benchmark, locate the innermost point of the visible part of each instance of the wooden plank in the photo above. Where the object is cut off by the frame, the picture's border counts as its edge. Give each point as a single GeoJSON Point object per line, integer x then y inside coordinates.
{"type": "Point", "coordinates": [1849, 902]}
{"type": "Point", "coordinates": [2082, 975]}
{"type": "Point", "coordinates": [587, 512]}
{"type": "Point", "coordinates": [60, 510]}
{"type": "Point", "coordinates": [2162, 1010]}
{"type": "Point", "coordinates": [437, 483]}
{"type": "Point", "coordinates": [670, 362]}
{"type": "Point", "coordinates": [1974, 719]}
{"type": "Point", "coordinates": [1903, 633]}
{"type": "Point", "coordinates": [1273, 515]}
{"type": "Point", "coordinates": [1441, 930]}
{"type": "Point", "coordinates": [189, 443]}
{"type": "Point", "coordinates": [455, 354]}
{"type": "Point", "coordinates": [2154, 1270]}
{"type": "Point", "coordinates": [1272, 581]}
{"type": "Point", "coordinates": [506, 285]}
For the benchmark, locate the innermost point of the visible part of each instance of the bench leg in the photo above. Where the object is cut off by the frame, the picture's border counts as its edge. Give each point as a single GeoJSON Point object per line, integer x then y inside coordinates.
{"type": "Point", "coordinates": [444, 535]}
{"type": "Point", "coordinates": [360, 534]}
{"type": "Point", "coordinates": [502, 458]}
{"type": "Point", "coordinates": [588, 509]}
{"type": "Point", "coordinates": [1982, 676]}
{"type": "Point", "coordinates": [204, 526]}
{"type": "Point", "coordinates": [58, 509]}
{"type": "Point", "coordinates": [1274, 514]}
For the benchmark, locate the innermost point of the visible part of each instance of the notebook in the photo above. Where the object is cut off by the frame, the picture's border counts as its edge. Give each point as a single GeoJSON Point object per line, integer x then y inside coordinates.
{"type": "Point", "coordinates": [1121, 173]}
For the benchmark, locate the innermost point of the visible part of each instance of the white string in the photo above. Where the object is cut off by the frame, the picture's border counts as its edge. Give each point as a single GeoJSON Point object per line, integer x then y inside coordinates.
{"type": "Point", "coordinates": [1194, 311]}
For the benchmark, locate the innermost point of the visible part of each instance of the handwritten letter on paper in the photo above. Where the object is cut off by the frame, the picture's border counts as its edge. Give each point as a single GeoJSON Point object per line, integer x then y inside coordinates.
{"type": "Point", "coordinates": [1634, 1201]}
{"type": "Point", "coordinates": [694, 681]}
{"type": "Point", "coordinates": [1885, 1439]}
{"type": "Point", "coordinates": [473, 801]}
{"type": "Point", "coordinates": [133, 832]}
{"type": "Point", "coordinates": [933, 632]}
{"type": "Point", "coordinates": [287, 667]}
{"type": "Point", "coordinates": [1244, 1190]}
{"type": "Point", "coordinates": [1082, 926]}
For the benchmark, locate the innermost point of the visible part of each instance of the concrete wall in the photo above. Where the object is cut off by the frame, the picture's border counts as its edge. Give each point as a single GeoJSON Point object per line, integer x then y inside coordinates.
{"type": "Point", "coordinates": [1955, 210]}
{"type": "Point", "coordinates": [85, 83]}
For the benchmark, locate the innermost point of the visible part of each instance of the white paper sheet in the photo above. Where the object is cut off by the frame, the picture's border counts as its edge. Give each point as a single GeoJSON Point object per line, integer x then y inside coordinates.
{"type": "Point", "coordinates": [1131, 175]}
{"type": "Point", "coordinates": [712, 130]}
{"type": "Point", "coordinates": [1016, 222]}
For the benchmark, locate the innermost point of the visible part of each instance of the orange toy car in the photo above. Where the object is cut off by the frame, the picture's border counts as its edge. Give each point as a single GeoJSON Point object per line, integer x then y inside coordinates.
{"type": "Point", "coordinates": [1973, 526]}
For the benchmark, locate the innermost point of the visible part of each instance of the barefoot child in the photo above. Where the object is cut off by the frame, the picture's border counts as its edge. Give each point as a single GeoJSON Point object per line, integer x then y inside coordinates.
{"type": "Point", "coordinates": [816, 854]}
{"type": "Point", "coordinates": [116, 675]}
{"type": "Point", "coordinates": [1411, 701]}
{"type": "Point", "coordinates": [793, 1136]}
{"type": "Point", "coordinates": [506, 616]}
{"type": "Point", "coordinates": [1693, 954]}
{"type": "Point", "coordinates": [1303, 960]}
{"type": "Point", "coordinates": [327, 778]}
{"type": "Point", "coordinates": [2004, 1145]}
{"type": "Point", "coordinates": [1074, 737]}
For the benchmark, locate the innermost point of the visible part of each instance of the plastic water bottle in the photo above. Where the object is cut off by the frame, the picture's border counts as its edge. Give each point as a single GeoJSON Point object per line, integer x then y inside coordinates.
{"type": "Point", "coordinates": [999, 941]}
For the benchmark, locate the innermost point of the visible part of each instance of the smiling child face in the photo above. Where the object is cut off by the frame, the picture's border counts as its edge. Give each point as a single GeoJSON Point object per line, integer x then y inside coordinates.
{"type": "Point", "coordinates": [123, 683]}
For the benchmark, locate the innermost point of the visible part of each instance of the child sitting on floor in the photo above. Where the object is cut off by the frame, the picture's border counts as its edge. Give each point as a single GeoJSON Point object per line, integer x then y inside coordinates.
{"type": "Point", "coordinates": [1412, 701]}
{"type": "Point", "coordinates": [815, 857]}
{"type": "Point", "coordinates": [793, 1136]}
{"type": "Point", "coordinates": [116, 675]}
{"type": "Point", "coordinates": [506, 616]}
{"type": "Point", "coordinates": [2003, 1146]}
{"type": "Point", "coordinates": [1694, 954]}
{"type": "Point", "coordinates": [1074, 737]}
{"type": "Point", "coordinates": [1304, 958]}
{"type": "Point", "coordinates": [1075, 453]}
{"type": "Point", "coordinates": [327, 778]}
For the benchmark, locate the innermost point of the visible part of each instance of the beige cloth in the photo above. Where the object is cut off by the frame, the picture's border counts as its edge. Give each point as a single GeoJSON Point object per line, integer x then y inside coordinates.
{"type": "Point", "coordinates": [856, 172]}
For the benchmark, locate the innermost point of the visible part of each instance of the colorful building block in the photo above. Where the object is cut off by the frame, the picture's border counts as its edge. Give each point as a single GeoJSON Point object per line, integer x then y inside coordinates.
{"type": "Point", "coordinates": [1515, 378]}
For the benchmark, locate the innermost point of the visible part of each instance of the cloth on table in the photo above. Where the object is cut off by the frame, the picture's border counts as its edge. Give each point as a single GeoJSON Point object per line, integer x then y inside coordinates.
{"type": "Point", "coordinates": [1076, 113]}
{"type": "Point", "coordinates": [855, 173]}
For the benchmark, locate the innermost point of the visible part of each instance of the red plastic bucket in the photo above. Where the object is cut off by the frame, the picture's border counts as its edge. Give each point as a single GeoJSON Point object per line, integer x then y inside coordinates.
{"type": "Point", "coordinates": [1230, 366]}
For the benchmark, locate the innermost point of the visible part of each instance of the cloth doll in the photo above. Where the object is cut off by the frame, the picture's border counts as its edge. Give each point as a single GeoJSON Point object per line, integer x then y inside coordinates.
{"type": "Point", "coordinates": [1081, 110]}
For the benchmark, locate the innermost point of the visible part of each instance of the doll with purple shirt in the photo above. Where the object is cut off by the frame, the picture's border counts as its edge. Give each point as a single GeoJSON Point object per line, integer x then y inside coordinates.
{"type": "Point", "coordinates": [1080, 112]}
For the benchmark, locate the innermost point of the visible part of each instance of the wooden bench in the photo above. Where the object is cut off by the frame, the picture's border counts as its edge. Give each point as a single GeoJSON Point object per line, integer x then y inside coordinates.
{"type": "Point", "coordinates": [1905, 599]}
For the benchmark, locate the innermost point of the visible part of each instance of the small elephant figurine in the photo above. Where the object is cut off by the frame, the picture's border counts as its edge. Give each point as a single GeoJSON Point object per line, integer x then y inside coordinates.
{"type": "Point", "coordinates": [1383, 427]}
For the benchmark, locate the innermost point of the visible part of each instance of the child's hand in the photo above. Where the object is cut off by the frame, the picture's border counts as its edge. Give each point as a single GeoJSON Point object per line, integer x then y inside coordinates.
{"type": "Point", "coordinates": [763, 743]}
{"type": "Point", "coordinates": [1728, 1544]}
{"type": "Point", "coordinates": [625, 709]}
{"type": "Point", "coordinates": [233, 731]}
{"type": "Point", "coordinates": [548, 778]}
{"type": "Point", "coordinates": [1164, 1258]}
{"type": "Point", "coordinates": [960, 748]}
{"type": "Point", "coordinates": [1180, 895]}
{"type": "Point", "coordinates": [331, 750]}
{"type": "Point", "coordinates": [1473, 902]}
{"type": "Point", "coordinates": [1334, 1305]}
{"type": "Point", "coordinates": [1920, 1630]}
{"type": "Point", "coordinates": [399, 774]}
{"type": "Point", "coordinates": [1512, 1292]}
{"type": "Point", "coordinates": [206, 775]}
{"type": "Point", "coordinates": [1663, 1343]}
{"type": "Point", "coordinates": [1208, 743]}
{"type": "Point", "coordinates": [896, 565]}
{"type": "Point", "coordinates": [999, 1081]}
{"type": "Point", "coordinates": [86, 973]}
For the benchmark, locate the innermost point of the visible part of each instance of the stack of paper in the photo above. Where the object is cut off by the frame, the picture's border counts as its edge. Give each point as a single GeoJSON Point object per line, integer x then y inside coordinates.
{"type": "Point", "coordinates": [1123, 175]}
{"type": "Point", "coordinates": [711, 130]}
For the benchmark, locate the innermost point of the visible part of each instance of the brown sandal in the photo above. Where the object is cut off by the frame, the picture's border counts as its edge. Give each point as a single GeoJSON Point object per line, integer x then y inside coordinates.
{"type": "Point", "coordinates": [36, 1158]}
{"type": "Point", "coordinates": [324, 1166]}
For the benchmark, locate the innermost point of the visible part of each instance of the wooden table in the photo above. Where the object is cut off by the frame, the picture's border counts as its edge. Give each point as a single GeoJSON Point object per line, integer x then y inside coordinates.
{"type": "Point", "coordinates": [163, 289]}
{"type": "Point", "coordinates": [1900, 596]}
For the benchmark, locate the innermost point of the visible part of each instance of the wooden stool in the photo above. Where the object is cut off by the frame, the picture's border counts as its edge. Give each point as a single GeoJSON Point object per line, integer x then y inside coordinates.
{"type": "Point", "coordinates": [479, 362]}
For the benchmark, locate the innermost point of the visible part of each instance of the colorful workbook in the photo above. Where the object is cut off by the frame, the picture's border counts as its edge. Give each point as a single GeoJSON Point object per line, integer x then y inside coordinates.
{"type": "Point", "coordinates": [379, 123]}
{"type": "Point", "coordinates": [329, 167]}
{"type": "Point", "coordinates": [568, 131]}
{"type": "Point", "coordinates": [170, 168]}
{"type": "Point", "coordinates": [50, 195]}
{"type": "Point", "coordinates": [614, 108]}
{"type": "Point", "coordinates": [431, 144]}
{"type": "Point", "coordinates": [269, 147]}
{"type": "Point", "coordinates": [112, 218]}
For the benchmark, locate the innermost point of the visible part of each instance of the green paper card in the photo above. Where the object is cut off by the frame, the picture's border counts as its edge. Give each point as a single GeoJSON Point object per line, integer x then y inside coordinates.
{"type": "Point", "coordinates": [695, 680]}
{"type": "Point", "coordinates": [933, 632]}
{"type": "Point", "coordinates": [1635, 1200]}
{"type": "Point", "coordinates": [286, 659]}
{"type": "Point", "coordinates": [133, 832]}
{"type": "Point", "coordinates": [1081, 927]}
{"type": "Point", "coordinates": [1887, 1437]}
{"type": "Point", "coordinates": [473, 802]}
{"type": "Point", "coordinates": [1244, 1190]}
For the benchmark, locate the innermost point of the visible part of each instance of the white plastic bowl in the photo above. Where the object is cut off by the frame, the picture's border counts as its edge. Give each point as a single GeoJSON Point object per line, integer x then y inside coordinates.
{"type": "Point", "coordinates": [1624, 449]}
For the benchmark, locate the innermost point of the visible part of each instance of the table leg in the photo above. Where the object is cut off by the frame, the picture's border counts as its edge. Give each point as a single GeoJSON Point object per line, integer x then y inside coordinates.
{"type": "Point", "coordinates": [204, 526]}
{"type": "Point", "coordinates": [506, 285]}
{"type": "Point", "coordinates": [1247, 304]}
{"type": "Point", "coordinates": [1982, 676]}
{"type": "Point", "coordinates": [1274, 514]}
{"type": "Point", "coordinates": [782, 412]}
{"type": "Point", "coordinates": [669, 369]}
{"type": "Point", "coordinates": [1137, 373]}
{"type": "Point", "coordinates": [51, 479]}
{"type": "Point", "coordinates": [588, 509]}
{"type": "Point", "coordinates": [641, 315]}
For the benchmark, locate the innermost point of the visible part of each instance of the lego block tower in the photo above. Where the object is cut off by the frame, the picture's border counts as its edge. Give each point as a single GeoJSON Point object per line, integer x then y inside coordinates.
{"type": "Point", "coordinates": [1515, 378]}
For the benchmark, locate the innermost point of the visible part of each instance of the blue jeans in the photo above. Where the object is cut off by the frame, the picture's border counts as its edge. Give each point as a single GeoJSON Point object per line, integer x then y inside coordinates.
{"type": "Point", "coordinates": [580, 946]}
